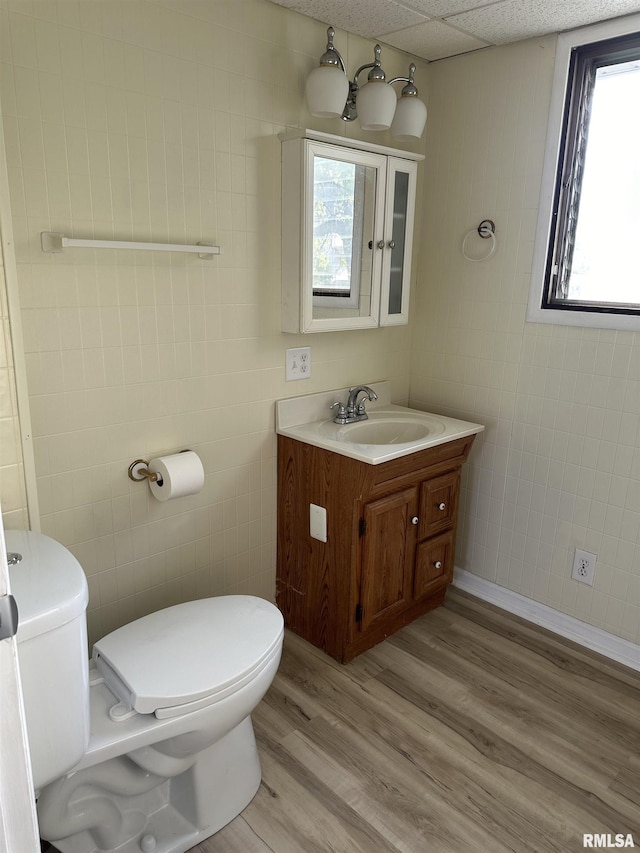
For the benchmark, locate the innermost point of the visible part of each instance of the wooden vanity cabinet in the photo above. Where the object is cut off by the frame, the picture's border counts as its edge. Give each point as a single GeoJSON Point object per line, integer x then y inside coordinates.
{"type": "Point", "coordinates": [390, 545]}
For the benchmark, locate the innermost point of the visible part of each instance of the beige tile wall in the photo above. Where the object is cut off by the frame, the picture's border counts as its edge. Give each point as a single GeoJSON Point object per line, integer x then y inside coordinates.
{"type": "Point", "coordinates": [559, 464]}
{"type": "Point", "coordinates": [13, 498]}
{"type": "Point", "coordinates": [158, 121]}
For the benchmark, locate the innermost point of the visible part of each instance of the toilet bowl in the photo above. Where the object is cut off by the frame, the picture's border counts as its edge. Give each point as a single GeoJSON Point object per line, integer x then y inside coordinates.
{"type": "Point", "coordinates": [151, 747]}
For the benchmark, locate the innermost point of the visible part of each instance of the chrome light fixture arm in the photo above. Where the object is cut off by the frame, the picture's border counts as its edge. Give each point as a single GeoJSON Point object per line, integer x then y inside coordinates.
{"type": "Point", "coordinates": [332, 56]}
{"type": "Point", "coordinates": [410, 88]}
{"type": "Point", "coordinates": [350, 111]}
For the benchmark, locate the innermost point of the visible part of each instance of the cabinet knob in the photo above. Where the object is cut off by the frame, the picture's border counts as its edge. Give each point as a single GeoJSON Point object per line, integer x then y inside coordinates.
{"type": "Point", "coordinates": [415, 519]}
{"type": "Point", "coordinates": [442, 506]}
{"type": "Point", "coordinates": [438, 564]}
{"type": "Point", "coordinates": [392, 244]}
{"type": "Point", "coordinates": [381, 244]}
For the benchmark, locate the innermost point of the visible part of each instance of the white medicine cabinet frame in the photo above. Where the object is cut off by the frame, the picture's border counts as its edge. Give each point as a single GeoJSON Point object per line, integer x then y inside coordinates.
{"type": "Point", "coordinates": [347, 231]}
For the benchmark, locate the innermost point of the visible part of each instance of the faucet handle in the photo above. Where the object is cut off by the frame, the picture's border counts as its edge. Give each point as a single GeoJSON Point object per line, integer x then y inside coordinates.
{"type": "Point", "coordinates": [341, 412]}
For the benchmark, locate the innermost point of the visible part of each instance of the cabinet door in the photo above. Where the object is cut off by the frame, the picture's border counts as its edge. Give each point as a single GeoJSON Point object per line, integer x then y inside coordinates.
{"type": "Point", "coordinates": [439, 504]}
{"type": "Point", "coordinates": [434, 564]}
{"type": "Point", "coordinates": [333, 206]}
{"type": "Point", "coordinates": [398, 239]}
{"type": "Point", "coordinates": [387, 557]}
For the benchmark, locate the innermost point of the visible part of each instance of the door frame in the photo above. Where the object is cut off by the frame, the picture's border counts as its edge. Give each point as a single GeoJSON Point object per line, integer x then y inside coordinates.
{"type": "Point", "coordinates": [18, 821]}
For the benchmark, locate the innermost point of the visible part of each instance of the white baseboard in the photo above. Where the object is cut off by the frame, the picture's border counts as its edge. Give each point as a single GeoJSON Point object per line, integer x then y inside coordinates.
{"type": "Point", "coordinates": [609, 645]}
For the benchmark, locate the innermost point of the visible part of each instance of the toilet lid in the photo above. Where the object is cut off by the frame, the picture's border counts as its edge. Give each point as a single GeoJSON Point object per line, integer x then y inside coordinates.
{"type": "Point", "coordinates": [185, 653]}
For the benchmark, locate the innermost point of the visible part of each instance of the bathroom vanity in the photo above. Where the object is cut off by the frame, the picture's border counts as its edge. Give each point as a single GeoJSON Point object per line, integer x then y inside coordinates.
{"type": "Point", "coordinates": [366, 530]}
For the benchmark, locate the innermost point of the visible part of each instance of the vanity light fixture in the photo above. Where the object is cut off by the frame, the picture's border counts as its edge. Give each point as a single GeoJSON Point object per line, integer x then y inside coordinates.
{"type": "Point", "coordinates": [330, 94]}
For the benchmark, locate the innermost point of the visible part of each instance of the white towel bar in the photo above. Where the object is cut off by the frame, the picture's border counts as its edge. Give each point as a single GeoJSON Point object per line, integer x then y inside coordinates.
{"type": "Point", "coordinates": [55, 242]}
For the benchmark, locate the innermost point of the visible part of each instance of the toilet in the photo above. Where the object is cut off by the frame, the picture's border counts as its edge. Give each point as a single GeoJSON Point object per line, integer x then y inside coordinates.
{"type": "Point", "coordinates": [150, 747]}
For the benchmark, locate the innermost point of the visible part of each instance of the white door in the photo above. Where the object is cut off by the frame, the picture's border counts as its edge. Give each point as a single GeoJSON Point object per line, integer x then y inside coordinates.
{"type": "Point", "coordinates": [18, 823]}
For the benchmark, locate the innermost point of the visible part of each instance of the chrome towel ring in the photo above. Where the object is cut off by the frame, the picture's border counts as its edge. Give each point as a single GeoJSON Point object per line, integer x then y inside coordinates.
{"type": "Point", "coordinates": [487, 231]}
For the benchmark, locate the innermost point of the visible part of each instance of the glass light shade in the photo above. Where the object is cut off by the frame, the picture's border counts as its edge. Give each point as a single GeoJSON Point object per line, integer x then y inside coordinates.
{"type": "Point", "coordinates": [327, 90]}
{"type": "Point", "coordinates": [410, 118]}
{"type": "Point", "coordinates": [376, 104]}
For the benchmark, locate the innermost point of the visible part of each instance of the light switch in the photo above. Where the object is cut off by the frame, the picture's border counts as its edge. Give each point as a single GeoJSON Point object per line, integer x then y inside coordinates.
{"type": "Point", "coordinates": [318, 522]}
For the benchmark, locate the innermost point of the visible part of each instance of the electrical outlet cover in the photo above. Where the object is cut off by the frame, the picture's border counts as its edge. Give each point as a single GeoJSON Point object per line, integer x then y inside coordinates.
{"type": "Point", "coordinates": [584, 566]}
{"type": "Point", "coordinates": [298, 363]}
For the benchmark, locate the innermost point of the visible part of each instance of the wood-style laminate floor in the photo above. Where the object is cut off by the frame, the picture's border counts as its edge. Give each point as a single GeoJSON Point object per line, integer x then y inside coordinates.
{"type": "Point", "coordinates": [469, 730]}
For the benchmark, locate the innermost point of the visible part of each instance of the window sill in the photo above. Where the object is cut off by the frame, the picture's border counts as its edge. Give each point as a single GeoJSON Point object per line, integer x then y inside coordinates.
{"type": "Point", "coordinates": [588, 319]}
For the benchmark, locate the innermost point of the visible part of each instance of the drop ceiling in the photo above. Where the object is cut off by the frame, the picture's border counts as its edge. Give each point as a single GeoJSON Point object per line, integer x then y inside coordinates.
{"type": "Point", "coordinates": [435, 29]}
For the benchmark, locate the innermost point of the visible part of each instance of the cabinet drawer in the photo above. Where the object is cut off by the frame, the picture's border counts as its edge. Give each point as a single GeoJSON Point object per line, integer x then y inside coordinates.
{"type": "Point", "coordinates": [434, 564]}
{"type": "Point", "coordinates": [438, 504]}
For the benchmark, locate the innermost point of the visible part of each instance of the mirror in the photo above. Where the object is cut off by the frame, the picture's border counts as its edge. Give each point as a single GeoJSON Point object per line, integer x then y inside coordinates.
{"type": "Point", "coordinates": [343, 217]}
{"type": "Point", "coordinates": [346, 190]}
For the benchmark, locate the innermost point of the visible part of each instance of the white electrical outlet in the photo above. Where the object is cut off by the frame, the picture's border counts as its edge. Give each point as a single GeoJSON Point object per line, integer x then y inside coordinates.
{"type": "Point", "coordinates": [298, 363]}
{"type": "Point", "coordinates": [584, 566]}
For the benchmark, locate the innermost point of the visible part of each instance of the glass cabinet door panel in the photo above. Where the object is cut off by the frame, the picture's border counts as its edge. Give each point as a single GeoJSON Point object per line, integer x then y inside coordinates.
{"type": "Point", "coordinates": [398, 235]}
{"type": "Point", "coordinates": [396, 274]}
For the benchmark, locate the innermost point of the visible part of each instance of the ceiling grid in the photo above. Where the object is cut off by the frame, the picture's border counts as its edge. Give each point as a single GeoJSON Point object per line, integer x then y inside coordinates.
{"type": "Point", "coordinates": [436, 29]}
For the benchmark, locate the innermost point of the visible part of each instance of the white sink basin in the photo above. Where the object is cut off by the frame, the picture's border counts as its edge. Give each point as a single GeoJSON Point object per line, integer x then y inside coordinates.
{"type": "Point", "coordinates": [390, 431]}
{"type": "Point", "coordinates": [383, 428]}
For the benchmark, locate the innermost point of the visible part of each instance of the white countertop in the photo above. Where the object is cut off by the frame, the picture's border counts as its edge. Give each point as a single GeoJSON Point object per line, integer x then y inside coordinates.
{"type": "Point", "coordinates": [309, 419]}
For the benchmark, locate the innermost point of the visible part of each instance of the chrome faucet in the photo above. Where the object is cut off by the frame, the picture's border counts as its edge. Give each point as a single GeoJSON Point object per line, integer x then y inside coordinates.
{"type": "Point", "coordinates": [354, 410]}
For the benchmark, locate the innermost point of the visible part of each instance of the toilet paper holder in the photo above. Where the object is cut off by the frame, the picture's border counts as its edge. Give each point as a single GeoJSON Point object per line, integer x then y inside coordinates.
{"type": "Point", "coordinates": [139, 471]}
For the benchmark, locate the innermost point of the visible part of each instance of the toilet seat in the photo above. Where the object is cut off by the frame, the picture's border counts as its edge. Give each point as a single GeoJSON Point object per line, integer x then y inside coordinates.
{"type": "Point", "coordinates": [190, 655]}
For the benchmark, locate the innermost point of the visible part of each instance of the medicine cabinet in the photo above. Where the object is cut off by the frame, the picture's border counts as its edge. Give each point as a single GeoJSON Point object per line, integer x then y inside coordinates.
{"type": "Point", "coordinates": [347, 231]}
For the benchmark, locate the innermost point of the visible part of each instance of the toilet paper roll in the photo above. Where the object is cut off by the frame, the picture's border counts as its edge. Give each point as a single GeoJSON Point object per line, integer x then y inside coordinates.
{"type": "Point", "coordinates": [179, 474]}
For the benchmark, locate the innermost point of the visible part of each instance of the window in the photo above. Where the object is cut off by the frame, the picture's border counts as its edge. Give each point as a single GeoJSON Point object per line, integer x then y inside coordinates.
{"type": "Point", "coordinates": [586, 269]}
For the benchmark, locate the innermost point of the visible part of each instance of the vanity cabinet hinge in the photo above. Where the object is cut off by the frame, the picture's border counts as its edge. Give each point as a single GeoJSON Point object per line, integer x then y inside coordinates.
{"type": "Point", "coordinates": [362, 527]}
{"type": "Point", "coordinates": [358, 613]}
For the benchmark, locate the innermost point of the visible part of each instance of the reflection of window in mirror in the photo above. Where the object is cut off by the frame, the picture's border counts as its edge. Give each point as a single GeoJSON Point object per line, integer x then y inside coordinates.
{"type": "Point", "coordinates": [338, 220]}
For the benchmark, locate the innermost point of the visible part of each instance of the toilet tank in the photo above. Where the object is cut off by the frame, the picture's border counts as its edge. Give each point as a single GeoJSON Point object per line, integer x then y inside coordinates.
{"type": "Point", "coordinates": [50, 590]}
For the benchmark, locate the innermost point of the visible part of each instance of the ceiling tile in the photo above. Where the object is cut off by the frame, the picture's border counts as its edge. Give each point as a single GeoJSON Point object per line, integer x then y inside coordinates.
{"type": "Point", "coordinates": [512, 20]}
{"type": "Point", "coordinates": [305, 7]}
{"type": "Point", "coordinates": [433, 40]}
{"type": "Point", "coordinates": [410, 25]}
{"type": "Point", "coordinates": [444, 8]}
{"type": "Point", "coordinates": [368, 18]}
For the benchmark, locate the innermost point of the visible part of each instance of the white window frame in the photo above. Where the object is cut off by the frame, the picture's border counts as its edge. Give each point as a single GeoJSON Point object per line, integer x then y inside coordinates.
{"type": "Point", "coordinates": [535, 313]}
